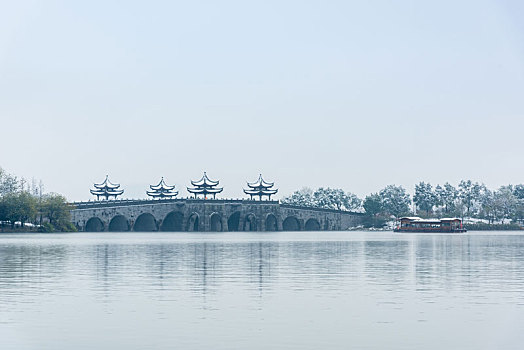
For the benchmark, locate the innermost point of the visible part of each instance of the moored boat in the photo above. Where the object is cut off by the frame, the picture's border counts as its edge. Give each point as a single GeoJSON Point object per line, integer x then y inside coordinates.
{"type": "Point", "coordinates": [416, 224]}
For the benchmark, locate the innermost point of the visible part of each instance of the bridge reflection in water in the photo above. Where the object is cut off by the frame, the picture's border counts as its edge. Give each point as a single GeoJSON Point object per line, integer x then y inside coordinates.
{"type": "Point", "coordinates": [198, 215]}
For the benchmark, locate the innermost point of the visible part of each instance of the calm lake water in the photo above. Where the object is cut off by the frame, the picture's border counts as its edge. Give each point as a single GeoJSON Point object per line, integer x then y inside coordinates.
{"type": "Point", "coordinates": [294, 290]}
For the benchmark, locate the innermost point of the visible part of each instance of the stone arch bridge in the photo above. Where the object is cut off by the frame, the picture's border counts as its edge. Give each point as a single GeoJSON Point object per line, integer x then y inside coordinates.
{"type": "Point", "coordinates": [206, 216]}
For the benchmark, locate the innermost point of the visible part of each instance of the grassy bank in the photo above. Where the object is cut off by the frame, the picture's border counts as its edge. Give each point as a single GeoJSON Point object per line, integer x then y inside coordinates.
{"type": "Point", "coordinates": [45, 228]}
{"type": "Point", "coordinates": [9, 229]}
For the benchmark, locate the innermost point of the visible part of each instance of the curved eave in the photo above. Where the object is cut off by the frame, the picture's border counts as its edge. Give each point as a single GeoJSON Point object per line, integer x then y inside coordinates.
{"type": "Point", "coordinates": [113, 193]}
{"type": "Point", "coordinates": [260, 183]}
{"type": "Point", "coordinates": [106, 193]}
{"type": "Point", "coordinates": [259, 187]}
{"type": "Point", "coordinates": [204, 190]}
{"type": "Point", "coordinates": [106, 184]}
{"type": "Point", "coordinates": [157, 194]}
{"type": "Point", "coordinates": [258, 193]}
{"type": "Point", "coordinates": [162, 185]}
{"type": "Point", "coordinates": [204, 181]}
{"type": "Point", "coordinates": [162, 191]}
{"type": "Point", "coordinates": [107, 189]}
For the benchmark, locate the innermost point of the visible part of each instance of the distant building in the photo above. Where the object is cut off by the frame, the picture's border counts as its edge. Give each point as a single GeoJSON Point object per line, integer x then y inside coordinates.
{"type": "Point", "coordinates": [205, 186]}
{"type": "Point", "coordinates": [106, 189]}
{"type": "Point", "coordinates": [162, 190]}
{"type": "Point", "coordinates": [260, 188]}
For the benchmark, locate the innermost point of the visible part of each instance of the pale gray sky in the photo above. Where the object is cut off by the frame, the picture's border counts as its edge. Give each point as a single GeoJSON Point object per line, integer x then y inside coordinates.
{"type": "Point", "coordinates": [350, 94]}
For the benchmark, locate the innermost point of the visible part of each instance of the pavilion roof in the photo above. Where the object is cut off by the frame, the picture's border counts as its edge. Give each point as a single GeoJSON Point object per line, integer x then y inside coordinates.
{"type": "Point", "coordinates": [107, 184]}
{"type": "Point", "coordinates": [162, 186]}
{"type": "Point", "coordinates": [260, 183]}
{"type": "Point", "coordinates": [205, 182]}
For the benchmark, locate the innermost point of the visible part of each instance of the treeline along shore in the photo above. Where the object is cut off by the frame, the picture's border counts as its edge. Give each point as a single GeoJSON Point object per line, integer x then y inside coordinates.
{"type": "Point", "coordinates": [24, 206]}
{"type": "Point", "coordinates": [478, 206]}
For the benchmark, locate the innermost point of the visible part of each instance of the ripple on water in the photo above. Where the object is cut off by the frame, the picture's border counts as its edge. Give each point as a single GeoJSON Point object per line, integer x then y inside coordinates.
{"type": "Point", "coordinates": [304, 290]}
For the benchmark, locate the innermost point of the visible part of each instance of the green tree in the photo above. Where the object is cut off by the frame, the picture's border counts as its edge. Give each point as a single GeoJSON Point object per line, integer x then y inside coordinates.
{"type": "Point", "coordinates": [506, 202]}
{"type": "Point", "coordinates": [3, 212]}
{"type": "Point", "coordinates": [8, 183]}
{"type": "Point", "coordinates": [19, 206]}
{"type": "Point", "coordinates": [446, 197]}
{"type": "Point", "coordinates": [518, 191]}
{"type": "Point", "coordinates": [352, 202]}
{"type": "Point", "coordinates": [469, 194]}
{"type": "Point", "coordinates": [488, 206]}
{"type": "Point", "coordinates": [373, 204]}
{"type": "Point", "coordinates": [424, 197]}
{"type": "Point", "coordinates": [55, 209]}
{"type": "Point", "coordinates": [302, 197]}
{"type": "Point", "coordinates": [335, 198]}
{"type": "Point", "coordinates": [395, 200]}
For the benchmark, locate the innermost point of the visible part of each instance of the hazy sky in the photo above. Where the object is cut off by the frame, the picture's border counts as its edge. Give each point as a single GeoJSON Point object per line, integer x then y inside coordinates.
{"type": "Point", "coordinates": [350, 94]}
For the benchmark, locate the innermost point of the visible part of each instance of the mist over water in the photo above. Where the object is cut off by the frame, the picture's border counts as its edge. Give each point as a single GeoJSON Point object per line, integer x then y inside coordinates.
{"type": "Point", "coordinates": [290, 290]}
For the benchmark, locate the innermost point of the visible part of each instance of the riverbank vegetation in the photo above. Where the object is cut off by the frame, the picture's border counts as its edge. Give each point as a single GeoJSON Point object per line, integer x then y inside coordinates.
{"type": "Point", "coordinates": [327, 198]}
{"type": "Point", "coordinates": [480, 207]}
{"type": "Point", "coordinates": [25, 207]}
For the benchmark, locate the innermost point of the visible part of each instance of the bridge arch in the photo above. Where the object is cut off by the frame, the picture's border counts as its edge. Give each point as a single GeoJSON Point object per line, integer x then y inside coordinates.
{"type": "Point", "coordinates": [215, 222]}
{"type": "Point", "coordinates": [193, 222]}
{"type": "Point", "coordinates": [250, 222]}
{"type": "Point", "coordinates": [173, 222]}
{"type": "Point", "coordinates": [271, 222]}
{"type": "Point", "coordinates": [94, 224]}
{"type": "Point", "coordinates": [312, 225]}
{"type": "Point", "coordinates": [119, 223]}
{"type": "Point", "coordinates": [233, 222]}
{"type": "Point", "coordinates": [145, 223]}
{"type": "Point", "coordinates": [291, 223]}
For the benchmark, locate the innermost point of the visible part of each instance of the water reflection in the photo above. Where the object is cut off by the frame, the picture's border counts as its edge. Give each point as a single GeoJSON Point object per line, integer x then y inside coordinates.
{"type": "Point", "coordinates": [387, 262]}
{"type": "Point", "coordinates": [238, 287]}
